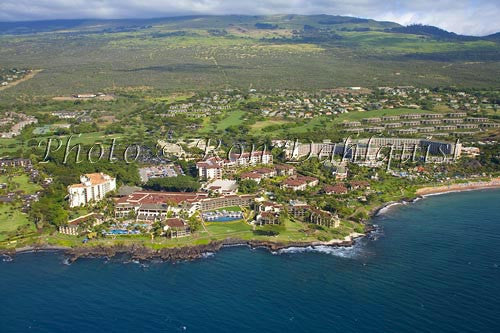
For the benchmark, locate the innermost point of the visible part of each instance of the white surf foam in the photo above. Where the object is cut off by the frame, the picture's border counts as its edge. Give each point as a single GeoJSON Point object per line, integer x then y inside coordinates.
{"type": "Point", "coordinates": [386, 208]}
{"type": "Point", "coordinates": [343, 252]}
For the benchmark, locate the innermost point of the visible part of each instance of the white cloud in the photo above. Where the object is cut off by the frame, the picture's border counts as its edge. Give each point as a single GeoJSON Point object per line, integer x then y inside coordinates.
{"type": "Point", "coordinates": [474, 17]}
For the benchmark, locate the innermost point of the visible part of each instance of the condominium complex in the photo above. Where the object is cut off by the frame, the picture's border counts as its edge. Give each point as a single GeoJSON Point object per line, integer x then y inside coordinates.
{"type": "Point", "coordinates": [212, 167]}
{"type": "Point", "coordinates": [92, 188]}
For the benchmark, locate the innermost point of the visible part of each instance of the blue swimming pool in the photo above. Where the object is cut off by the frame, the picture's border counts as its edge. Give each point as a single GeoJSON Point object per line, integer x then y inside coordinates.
{"type": "Point", "coordinates": [122, 232]}
{"type": "Point", "coordinates": [225, 219]}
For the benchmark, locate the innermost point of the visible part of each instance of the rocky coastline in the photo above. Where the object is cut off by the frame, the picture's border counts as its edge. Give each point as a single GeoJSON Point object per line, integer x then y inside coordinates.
{"type": "Point", "coordinates": [143, 253]}
{"type": "Point", "coordinates": [138, 252]}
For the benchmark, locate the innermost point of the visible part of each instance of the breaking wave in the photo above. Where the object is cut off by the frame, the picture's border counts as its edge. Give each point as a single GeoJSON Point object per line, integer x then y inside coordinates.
{"type": "Point", "coordinates": [207, 255]}
{"type": "Point", "coordinates": [343, 252]}
{"type": "Point", "coordinates": [385, 209]}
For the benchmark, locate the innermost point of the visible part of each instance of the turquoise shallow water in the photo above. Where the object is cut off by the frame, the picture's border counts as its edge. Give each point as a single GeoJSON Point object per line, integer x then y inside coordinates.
{"type": "Point", "coordinates": [434, 266]}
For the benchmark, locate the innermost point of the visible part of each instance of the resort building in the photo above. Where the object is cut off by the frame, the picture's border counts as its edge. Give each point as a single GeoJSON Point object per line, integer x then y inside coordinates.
{"type": "Point", "coordinates": [175, 228]}
{"type": "Point", "coordinates": [323, 218]}
{"type": "Point", "coordinates": [284, 170]}
{"type": "Point", "coordinates": [300, 183]}
{"type": "Point", "coordinates": [222, 186]}
{"type": "Point", "coordinates": [452, 120]}
{"type": "Point", "coordinates": [93, 187]}
{"type": "Point", "coordinates": [411, 123]}
{"type": "Point", "coordinates": [226, 201]}
{"type": "Point", "coordinates": [425, 129]}
{"type": "Point", "coordinates": [456, 115]}
{"type": "Point", "coordinates": [374, 120]}
{"type": "Point", "coordinates": [468, 126]}
{"type": "Point", "coordinates": [476, 120]}
{"type": "Point", "coordinates": [376, 129]}
{"type": "Point", "coordinates": [15, 162]}
{"type": "Point", "coordinates": [366, 149]}
{"type": "Point", "coordinates": [351, 124]}
{"type": "Point", "coordinates": [259, 174]}
{"type": "Point", "coordinates": [432, 115]}
{"type": "Point", "coordinates": [74, 227]}
{"type": "Point", "coordinates": [390, 118]}
{"type": "Point", "coordinates": [489, 125]}
{"type": "Point", "coordinates": [411, 116]}
{"type": "Point", "coordinates": [150, 205]}
{"type": "Point", "coordinates": [253, 158]}
{"type": "Point", "coordinates": [335, 189]}
{"type": "Point", "coordinates": [210, 168]}
{"type": "Point", "coordinates": [267, 218]}
{"type": "Point", "coordinates": [430, 121]}
{"type": "Point", "coordinates": [393, 125]}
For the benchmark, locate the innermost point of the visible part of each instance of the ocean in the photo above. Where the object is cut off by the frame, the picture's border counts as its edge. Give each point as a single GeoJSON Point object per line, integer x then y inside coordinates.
{"type": "Point", "coordinates": [432, 266]}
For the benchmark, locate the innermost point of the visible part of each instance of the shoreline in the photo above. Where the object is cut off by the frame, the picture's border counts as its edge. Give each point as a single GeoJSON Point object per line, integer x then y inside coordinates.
{"type": "Point", "coordinates": [143, 253]}
{"type": "Point", "coordinates": [430, 191]}
{"type": "Point", "coordinates": [458, 187]}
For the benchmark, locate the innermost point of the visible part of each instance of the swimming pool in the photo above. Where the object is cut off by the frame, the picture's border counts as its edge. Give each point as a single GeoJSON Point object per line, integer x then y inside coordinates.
{"type": "Point", "coordinates": [122, 232]}
{"type": "Point", "coordinates": [224, 219]}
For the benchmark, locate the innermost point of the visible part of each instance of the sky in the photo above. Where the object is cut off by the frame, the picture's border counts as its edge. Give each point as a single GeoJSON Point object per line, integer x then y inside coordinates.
{"type": "Point", "coordinates": [470, 17]}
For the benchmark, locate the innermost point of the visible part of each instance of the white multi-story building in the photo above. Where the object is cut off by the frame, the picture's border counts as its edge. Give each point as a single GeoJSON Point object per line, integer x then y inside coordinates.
{"type": "Point", "coordinates": [211, 168]}
{"type": "Point", "coordinates": [92, 187]}
{"type": "Point", "coordinates": [254, 158]}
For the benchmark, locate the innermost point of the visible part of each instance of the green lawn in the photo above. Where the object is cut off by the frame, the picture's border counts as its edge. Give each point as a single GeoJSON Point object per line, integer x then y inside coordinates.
{"type": "Point", "coordinates": [10, 219]}
{"type": "Point", "coordinates": [258, 126]}
{"type": "Point", "coordinates": [377, 113]}
{"type": "Point", "coordinates": [233, 119]}
{"type": "Point", "coordinates": [20, 182]}
{"type": "Point", "coordinates": [228, 228]}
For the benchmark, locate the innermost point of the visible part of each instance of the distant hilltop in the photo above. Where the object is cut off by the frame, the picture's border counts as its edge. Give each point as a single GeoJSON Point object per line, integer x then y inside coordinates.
{"type": "Point", "coordinates": [285, 21]}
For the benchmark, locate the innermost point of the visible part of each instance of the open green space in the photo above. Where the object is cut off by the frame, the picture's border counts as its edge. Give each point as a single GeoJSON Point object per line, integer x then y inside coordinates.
{"type": "Point", "coordinates": [19, 182]}
{"type": "Point", "coordinates": [357, 115]}
{"type": "Point", "coordinates": [12, 218]}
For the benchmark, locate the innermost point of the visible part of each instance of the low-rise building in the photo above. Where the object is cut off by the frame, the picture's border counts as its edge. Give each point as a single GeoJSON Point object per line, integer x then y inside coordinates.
{"type": "Point", "coordinates": [75, 227]}
{"type": "Point", "coordinates": [15, 162]}
{"type": "Point", "coordinates": [222, 186]}
{"type": "Point", "coordinates": [335, 189]}
{"type": "Point", "coordinates": [284, 170]}
{"type": "Point", "coordinates": [176, 227]}
{"type": "Point", "coordinates": [300, 183]}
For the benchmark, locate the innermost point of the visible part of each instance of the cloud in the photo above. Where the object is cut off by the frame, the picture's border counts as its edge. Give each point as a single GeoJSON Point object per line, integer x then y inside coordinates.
{"type": "Point", "coordinates": [472, 17]}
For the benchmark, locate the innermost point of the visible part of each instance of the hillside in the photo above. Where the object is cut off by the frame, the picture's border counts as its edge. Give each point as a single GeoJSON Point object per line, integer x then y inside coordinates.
{"type": "Point", "coordinates": [213, 52]}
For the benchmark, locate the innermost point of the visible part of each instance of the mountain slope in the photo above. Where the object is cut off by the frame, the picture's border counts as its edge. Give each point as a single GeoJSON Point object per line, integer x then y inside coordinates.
{"type": "Point", "coordinates": [212, 52]}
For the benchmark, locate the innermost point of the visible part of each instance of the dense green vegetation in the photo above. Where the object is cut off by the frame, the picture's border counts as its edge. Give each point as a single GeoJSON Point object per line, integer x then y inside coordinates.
{"type": "Point", "coordinates": [176, 184]}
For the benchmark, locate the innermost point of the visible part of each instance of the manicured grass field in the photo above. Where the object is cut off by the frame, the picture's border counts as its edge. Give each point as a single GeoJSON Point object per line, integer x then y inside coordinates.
{"type": "Point", "coordinates": [233, 119]}
{"type": "Point", "coordinates": [10, 219]}
{"type": "Point", "coordinates": [20, 182]}
{"type": "Point", "coordinates": [260, 125]}
{"type": "Point", "coordinates": [230, 229]}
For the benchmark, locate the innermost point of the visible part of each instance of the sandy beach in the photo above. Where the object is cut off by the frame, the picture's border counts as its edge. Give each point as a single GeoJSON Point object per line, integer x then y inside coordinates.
{"type": "Point", "coordinates": [469, 186]}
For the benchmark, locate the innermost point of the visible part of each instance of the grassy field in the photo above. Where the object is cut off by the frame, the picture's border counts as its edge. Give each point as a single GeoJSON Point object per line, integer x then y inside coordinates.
{"type": "Point", "coordinates": [231, 118]}
{"type": "Point", "coordinates": [326, 123]}
{"type": "Point", "coordinates": [19, 182]}
{"type": "Point", "coordinates": [11, 218]}
{"type": "Point", "coordinates": [377, 113]}
{"type": "Point", "coordinates": [258, 126]}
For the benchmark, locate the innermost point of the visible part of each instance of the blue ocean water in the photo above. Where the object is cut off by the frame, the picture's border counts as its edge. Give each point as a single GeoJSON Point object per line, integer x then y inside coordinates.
{"type": "Point", "coordinates": [433, 267]}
